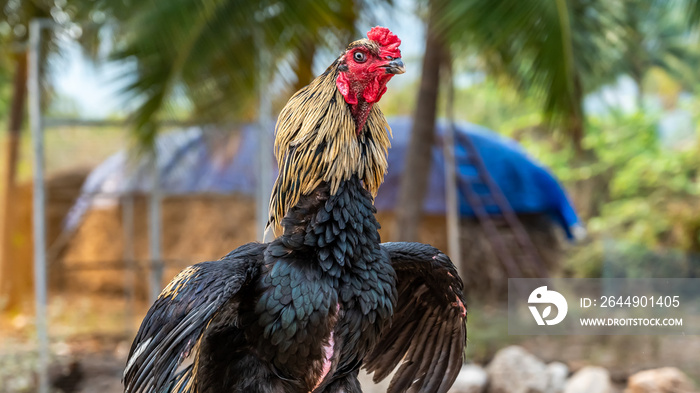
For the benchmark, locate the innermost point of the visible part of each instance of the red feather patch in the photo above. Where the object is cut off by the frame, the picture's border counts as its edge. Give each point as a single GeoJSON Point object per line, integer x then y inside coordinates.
{"type": "Point", "coordinates": [387, 40]}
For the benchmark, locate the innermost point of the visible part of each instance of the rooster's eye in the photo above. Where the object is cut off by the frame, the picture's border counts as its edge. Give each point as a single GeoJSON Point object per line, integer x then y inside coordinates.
{"type": "Point", "coordinates": [359, 57]}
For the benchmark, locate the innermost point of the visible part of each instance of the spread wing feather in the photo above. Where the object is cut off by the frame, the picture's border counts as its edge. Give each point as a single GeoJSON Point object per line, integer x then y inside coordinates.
{"type": "Point", "coordinates": [428, 333]}
{"type": "Point", "coordinates": [174, 326]}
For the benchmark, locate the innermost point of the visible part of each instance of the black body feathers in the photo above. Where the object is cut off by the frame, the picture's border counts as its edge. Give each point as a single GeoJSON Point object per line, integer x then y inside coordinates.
{"type": "Point", "coordinates": [307, 310]}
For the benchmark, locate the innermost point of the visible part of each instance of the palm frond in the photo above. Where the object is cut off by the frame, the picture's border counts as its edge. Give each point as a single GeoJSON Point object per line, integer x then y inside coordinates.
{"type": "Point", "coordinates": [558, 49]}
{"type": "Point", "coordinates": [693, 7]}
{"type": "Point", "coordinates": [660, 38]}
{"type": "Point", "coordinates": [211, 49]}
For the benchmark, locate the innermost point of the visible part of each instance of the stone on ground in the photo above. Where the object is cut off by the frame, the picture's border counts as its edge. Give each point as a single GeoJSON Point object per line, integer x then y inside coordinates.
{"type": "Point", "coordinates": [660, 380]}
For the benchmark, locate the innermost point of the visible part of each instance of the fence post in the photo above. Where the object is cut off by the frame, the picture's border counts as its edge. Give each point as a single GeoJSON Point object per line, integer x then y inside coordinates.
{"type": "Point", "coordinates": [128, 253]}
{"type": "Point", "coordinates": [39, 204]}
{"type": "Point", "coordinates": [264, 164]}
{"type": "Point", "coordinates": [155, 223]}
{"type": "Point", "coordinates": [451, 187]}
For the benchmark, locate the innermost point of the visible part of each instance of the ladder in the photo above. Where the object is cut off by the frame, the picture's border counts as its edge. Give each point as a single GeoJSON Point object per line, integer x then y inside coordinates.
{"type": "Point", "coordinates": [484, 206]}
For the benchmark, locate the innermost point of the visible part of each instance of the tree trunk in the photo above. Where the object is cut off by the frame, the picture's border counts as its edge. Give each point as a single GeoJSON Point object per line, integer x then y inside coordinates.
{"type": "Point", "coordinates": [591, 192]}
{"type": "Point", "coordinates": [414, 179]}
{"type": "Point", "coordinates": [15, 275]}
{"type": "Point", "coordinates": [576, 122]}
{"type": "Point", "coordinates": [576, 131]}
{"type": "Point", "coordinates": [638, 77]}
{"type": "Point", "coordinates": [16, 119]}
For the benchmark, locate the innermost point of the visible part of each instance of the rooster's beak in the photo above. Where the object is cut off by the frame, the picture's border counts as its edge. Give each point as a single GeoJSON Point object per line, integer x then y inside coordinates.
{"type": "Point", "coordinates": [395, 67]}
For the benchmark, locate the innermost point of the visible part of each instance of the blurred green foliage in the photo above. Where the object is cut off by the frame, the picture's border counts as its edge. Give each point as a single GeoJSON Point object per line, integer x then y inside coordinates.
{"type": "Point", "coordinates": [642, 184]}
{"type": "Point", "coordinates": [628, 259]}
{"type": "Point", "coordinates": [642, 194]}
{"type": "Point", "coordinates": [5, 86]}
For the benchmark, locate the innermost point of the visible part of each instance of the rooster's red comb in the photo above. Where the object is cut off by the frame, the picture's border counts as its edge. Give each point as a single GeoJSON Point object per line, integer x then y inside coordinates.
{"type": "Point", "coordinates": [388, 41]}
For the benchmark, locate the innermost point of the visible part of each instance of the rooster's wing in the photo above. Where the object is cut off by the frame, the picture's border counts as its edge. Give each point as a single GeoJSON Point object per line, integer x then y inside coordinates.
{"type": "Point", "coordinates": [429, 329]}
{"type": "Point", "coordinates": [176, 322]}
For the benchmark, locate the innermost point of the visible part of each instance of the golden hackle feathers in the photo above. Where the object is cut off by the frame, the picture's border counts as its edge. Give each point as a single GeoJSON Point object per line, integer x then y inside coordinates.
{"type": "Point", "coordinates": [316, 141]}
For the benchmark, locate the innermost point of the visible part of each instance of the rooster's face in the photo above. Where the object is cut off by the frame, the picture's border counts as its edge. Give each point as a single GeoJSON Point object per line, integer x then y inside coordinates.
{"type": "Point", "coordinates": [320, 139]}
{"type": "Point", "coordinates": [367, 65]}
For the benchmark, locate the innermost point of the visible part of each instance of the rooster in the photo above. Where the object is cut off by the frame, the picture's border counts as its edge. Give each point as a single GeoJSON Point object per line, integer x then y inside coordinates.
{"type": "Point", "coordinates": [304, 312]}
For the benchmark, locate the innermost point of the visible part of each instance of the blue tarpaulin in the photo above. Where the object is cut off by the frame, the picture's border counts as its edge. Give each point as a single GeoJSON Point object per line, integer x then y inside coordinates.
{"type": "Point", "coordinates": [210, 161]}
{"type": "Point", "coordinates": [528, 186]}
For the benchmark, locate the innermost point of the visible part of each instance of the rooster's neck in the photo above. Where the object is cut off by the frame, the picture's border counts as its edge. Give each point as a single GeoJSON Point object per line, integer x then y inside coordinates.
{"type": "Point", "coordinates": [317, 141]}
{"type": "Point", "coordinates": [360, 112]}
{"type": "Point", "coordinates": [340, 228]}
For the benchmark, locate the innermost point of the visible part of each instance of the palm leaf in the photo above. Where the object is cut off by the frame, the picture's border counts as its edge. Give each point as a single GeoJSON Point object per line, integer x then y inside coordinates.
{"type": "Point", "coordinates": [664, 41]}
{"type": "Point", "coordinates": [693, 7]}
{"type": "Point", "coordinates": [210, 48]}
{"type": "Point", "coordinates": [557, 49]}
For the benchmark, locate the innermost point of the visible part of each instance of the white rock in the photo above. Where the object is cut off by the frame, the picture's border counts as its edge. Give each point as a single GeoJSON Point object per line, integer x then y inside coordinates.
{"type": "Point", "coordinates": [557, 373]}
{"type": "Point", "coordinates": [589, 380]}
{"type": "Point", "coordinates": [514, 370]}
{"type": "Point", "coordinates": [660, 380]}
{"type": "Point", "coordinates": [471, 379]}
